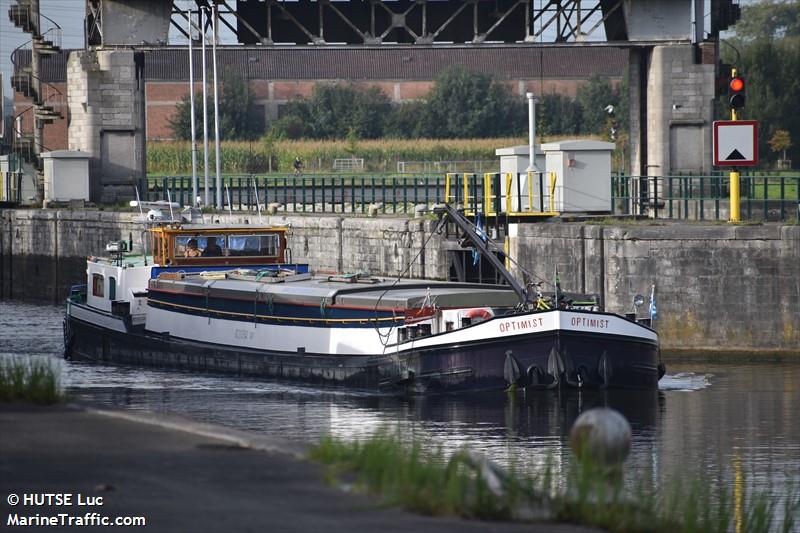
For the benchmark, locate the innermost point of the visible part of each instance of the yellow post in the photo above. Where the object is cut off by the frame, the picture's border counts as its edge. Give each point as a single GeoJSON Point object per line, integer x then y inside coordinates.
{"type": "Point", "coordinates": [735, 216]}
{"type": "Point", "coordinates": [509, 200]}
{"type": "Point", "coordinates": [466, 193]}
{"type": "Point", "coordinates": [447, 187]}
{"type": "Point", "coordinates": [487, 193]}
{"type": "Point", "coordinates": [734, 178]}
{"type": "Point", "coordinates": [552, 192]}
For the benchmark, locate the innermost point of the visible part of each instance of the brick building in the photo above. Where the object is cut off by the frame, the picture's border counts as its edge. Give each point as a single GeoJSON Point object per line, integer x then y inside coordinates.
{"type": "Point", "coordinates": [278, 74]}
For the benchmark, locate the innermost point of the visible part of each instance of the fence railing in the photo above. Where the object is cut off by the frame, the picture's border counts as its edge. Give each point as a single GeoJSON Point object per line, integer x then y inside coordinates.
{"type": "Point", "coordinates": [310, 193]}
{"type": "Point", "coordinates": [763, 197]}
{"type": "Point", "coordinates": [477, 166]}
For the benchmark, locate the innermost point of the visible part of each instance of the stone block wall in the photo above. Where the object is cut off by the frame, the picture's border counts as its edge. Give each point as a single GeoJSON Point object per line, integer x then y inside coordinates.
{"type": "Point", "coordinates": [680, 111]}
{"type": "Point", "coordinates": [106, 105]}
{"type": "Point", "coordinates": [718, 287]}
{"type": "Point", "coordinates": [43, 252]}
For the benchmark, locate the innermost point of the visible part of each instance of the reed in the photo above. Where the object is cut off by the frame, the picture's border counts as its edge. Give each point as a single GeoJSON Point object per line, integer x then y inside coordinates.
{"type": "Point", "coordinates": [30, 380]}
{"type": "Point", "coordinates": [403, 473]}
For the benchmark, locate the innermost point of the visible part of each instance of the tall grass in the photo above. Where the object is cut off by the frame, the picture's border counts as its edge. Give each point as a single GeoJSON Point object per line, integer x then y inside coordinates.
{"type": "Point", "coordinates": [31, 380]}
{"type": "Point", "coordinates": [429, 483]}
{"type": "Point", "coordinates": [243, 157]}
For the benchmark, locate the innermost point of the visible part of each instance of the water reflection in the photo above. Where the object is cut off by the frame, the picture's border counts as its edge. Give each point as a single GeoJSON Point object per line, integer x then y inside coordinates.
{"type": "Point", "coordinates": [727, 422]}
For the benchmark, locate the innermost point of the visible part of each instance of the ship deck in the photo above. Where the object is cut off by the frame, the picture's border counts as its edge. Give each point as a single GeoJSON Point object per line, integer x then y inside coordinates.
{"type": "Point", "coordinates": [319, 290]}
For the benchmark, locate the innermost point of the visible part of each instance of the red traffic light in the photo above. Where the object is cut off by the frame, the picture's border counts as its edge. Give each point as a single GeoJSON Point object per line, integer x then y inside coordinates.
{"type": "Point", "coordinates": [736, 92]}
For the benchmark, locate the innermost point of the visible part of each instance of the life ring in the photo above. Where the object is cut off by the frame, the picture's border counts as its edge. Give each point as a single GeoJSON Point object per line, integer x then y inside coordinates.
{"type": "Point", "coordinates": [479, 314]}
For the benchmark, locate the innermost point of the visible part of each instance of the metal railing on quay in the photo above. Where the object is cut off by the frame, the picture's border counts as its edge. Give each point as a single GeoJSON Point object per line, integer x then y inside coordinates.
{"type": "Point", "coordinates": [312, 193]}
{"type": "Point", "coordinates": [764, 197]}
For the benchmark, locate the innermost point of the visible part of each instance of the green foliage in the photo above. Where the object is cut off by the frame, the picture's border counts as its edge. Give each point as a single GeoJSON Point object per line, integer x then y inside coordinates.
{"type": "Point", "coordinates": [333, 111]}
{"type": "Point", "coordinates": [175, 157]}
{"type": "Point", "coordinates": [238, 116]}
{"type": "Point", "coordinates": [465, 104]}
{"type": "Point", "coordinates": [403, 473]}
{"type": "Point", "coordinates": [32, 380]}
{"type": "Point", "coordinates": [593, 97]}
{"type": "Point", "coordinates": [559, 115]}
{"type": "Point", "coordinates": [769, 19]}
{"type": "Point", "coordinates": [403, 121]}
{"type": "Point", "coordinates": [766, 53]}
{"type": "Point", "coordinates": [462, 104]}
{"type": "Point", "coordinates": [780, 141]}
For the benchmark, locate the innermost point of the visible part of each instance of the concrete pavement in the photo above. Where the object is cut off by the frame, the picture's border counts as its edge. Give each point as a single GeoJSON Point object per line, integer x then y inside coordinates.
{"type": "Point", "coordinates": [183, 476]}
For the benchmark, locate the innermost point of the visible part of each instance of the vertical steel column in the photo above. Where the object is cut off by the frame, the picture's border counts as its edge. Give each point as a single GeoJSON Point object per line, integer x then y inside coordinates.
{"type": "Point", "coordinates": [214, 29]}
{"type": "Point", "coordinates": [191, 105]}
{"type": "Point", "coordinates": [207, 200]}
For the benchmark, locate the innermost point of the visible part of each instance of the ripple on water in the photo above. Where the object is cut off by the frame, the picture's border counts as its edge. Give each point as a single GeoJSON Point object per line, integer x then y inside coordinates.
{"type": "Point", "coordinates": [685, 381]}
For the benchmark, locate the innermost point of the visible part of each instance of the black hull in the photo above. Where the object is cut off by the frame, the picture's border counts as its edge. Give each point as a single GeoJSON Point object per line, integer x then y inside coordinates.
{"type": "Point", "coordinates": [544, 360]}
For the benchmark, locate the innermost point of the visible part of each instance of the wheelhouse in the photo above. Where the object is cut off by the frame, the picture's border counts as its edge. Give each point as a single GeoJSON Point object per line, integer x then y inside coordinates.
{"type": "Point", "coordinates": [196, 246]}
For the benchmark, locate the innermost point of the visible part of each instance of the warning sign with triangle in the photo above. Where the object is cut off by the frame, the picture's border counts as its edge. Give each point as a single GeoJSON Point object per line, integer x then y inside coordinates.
{"type": "Point", "coordinates": [736, 155]}
{"type": "Point", "coordinates": [735, 143]}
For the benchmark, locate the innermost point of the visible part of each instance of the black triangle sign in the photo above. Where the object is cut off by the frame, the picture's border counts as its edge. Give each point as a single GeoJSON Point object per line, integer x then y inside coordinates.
{"type": "Point", "coordinates": [736, 155]}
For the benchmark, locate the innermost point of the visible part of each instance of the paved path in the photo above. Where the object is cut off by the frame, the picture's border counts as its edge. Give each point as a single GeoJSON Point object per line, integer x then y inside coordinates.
{"type": "Point", "coordinates": [186, 477]}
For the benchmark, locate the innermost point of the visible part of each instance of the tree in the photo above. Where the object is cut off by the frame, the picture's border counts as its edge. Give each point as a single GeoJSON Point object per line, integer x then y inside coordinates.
{"type": "Point", "coordinates": [780, 141]}
{"type": "Point", "coordinates": [594, 97]}
{"type": "Point", "coordinates": [238, 116]}
{"type": "Point", "coordinates": [404, 121]}
{"type": "Point", "coordinates": [558, 115]}
{"type": "Point", "coordinates": [468, 104]}
{"type": "Point", "coordinates": [770, 68]}
{"type": "Point", "coordinates": [334, 112]}
{"type": "Point", "coordinates": [769, 19]}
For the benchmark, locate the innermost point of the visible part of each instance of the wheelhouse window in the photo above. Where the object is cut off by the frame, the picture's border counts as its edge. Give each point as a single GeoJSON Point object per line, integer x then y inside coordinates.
{"type": "Point", "coordinates": [112, 288]}
{"type": "Point", "coordinates": [98, 283]}
{"type": "Point", "coordinates": [189, 246]}
{"type": "Point", "coordinates": [256, 245]}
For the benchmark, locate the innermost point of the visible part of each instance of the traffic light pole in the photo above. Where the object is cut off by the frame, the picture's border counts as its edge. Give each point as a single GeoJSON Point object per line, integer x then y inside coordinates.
{"type": "Point", "coordinates": [734, 178]}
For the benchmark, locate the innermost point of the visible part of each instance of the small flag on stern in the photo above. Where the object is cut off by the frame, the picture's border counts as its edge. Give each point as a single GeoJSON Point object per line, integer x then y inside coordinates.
{"type": "Point", "coordinates": [476, 255]}
{"type": "Point", "coordinates": [653, 308]}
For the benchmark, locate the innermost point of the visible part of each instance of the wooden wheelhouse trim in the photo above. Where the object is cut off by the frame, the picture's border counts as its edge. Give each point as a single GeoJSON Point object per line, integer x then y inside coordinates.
{"type": "Point", "coordinates": [163, 245]}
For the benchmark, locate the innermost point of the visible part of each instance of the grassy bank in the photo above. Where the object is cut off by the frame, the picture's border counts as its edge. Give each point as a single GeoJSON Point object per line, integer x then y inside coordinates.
{"type": "Point", "coordinates": [31, 380]}
{"type": "Point", "coordinates": [429, 483]}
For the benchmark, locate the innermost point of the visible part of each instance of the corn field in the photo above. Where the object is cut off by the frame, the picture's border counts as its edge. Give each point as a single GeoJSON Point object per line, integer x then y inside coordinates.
{"type": "Point", "coordinates": [380, 155]}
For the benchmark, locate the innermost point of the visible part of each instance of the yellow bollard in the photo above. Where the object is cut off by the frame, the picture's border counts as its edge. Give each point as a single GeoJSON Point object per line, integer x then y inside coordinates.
{"type": "Point", "coordinates": [734, 196]}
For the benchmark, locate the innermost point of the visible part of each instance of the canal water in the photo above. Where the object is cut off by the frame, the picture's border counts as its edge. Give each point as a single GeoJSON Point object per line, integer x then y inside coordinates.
{"type": "Point", "coordinates": [734, 424]}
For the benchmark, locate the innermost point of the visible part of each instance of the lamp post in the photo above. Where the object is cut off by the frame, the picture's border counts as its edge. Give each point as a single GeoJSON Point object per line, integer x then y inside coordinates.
{"type": "Point", "coordinates": [531, 131]}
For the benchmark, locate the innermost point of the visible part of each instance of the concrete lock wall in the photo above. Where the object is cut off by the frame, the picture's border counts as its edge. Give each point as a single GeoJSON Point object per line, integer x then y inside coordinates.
{"type": "Point", "coordinates": [718, 287]}
{"type": "Point", "coordinates": [43, 252]}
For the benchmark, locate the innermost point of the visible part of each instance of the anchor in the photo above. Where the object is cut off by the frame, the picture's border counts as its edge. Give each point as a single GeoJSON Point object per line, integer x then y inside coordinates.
{"type": "Point", "coordinates": [605, 370]}
{"type": "Point", "coordinates": [512, 372]}
{"type": "Point", "coordinates": [555, 368]}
